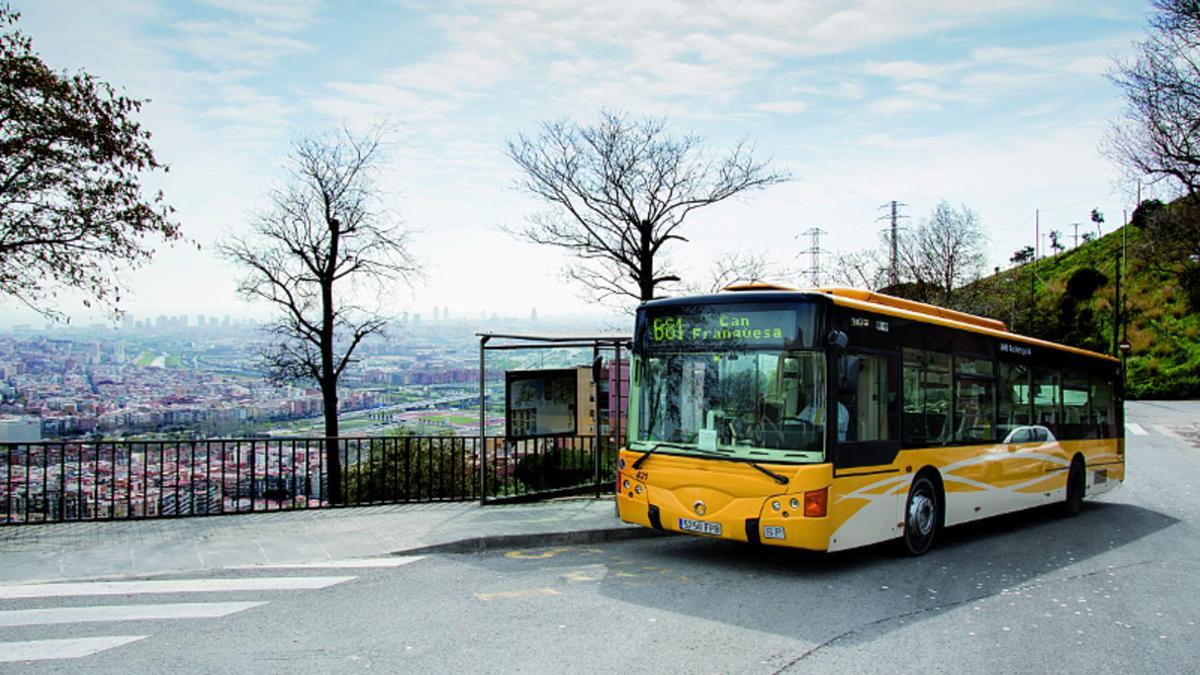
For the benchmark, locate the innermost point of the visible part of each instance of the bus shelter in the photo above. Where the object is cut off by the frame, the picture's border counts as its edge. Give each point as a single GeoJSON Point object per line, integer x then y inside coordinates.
{"type": "Point", "coordinates": [502, 460]}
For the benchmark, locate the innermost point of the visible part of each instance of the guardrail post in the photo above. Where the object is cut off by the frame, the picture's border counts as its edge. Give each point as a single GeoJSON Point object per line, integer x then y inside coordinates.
{"type": "Point", "coordinates": [483, 340]}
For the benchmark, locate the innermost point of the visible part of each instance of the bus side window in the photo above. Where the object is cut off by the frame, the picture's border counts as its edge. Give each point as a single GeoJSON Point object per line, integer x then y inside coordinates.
{"type": "Point", "coordinates": [1075, 406]}
{"type": "Point", "coordinates": [974, 398]}
{"type": "Point", "coordinates": [1104, 419]}
{"type": "Point", "coordinates": [913, 409]}
{"type": "Point", "coordinates": [1015, 406]}
{"type": "Point", "coordinates": [1047, 399]}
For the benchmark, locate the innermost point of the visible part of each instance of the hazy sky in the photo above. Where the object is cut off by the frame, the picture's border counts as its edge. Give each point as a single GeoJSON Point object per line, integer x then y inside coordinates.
{"type": "Point", "coordinates": [997, 105]}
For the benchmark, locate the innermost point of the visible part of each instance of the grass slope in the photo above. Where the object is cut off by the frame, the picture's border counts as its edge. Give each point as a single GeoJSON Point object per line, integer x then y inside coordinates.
{"type": "Point", "coordinates": [1072, 301]}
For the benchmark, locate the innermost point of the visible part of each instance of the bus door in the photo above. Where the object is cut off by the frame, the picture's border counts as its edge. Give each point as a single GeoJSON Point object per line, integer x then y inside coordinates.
{"type": "Point", "coordinates": [867, 409]}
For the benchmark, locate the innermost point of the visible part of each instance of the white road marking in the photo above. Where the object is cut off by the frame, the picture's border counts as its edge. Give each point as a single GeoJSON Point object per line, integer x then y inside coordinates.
{"type": "Point", "coordinates": [1135, 428]}
{"type": "Point", "coordinates": [167, 586]}
{"type": "Point", "coordinates": [354, 563]}
{"type": "Point", "coordinates": [40, 650]}
{"type": "Point", "coordinates": [182, 610]}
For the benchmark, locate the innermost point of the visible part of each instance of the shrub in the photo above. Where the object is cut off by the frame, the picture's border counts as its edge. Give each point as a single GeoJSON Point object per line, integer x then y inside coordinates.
{"type": "Point", "coordinates": [411, 468]}
{"type": "Point", "coordinates": [1084, 283]}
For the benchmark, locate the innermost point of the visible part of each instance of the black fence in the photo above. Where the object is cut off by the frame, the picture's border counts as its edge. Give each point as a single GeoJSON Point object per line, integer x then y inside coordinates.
{"type": "Point", "coordinates": [539, 468]}
{"type": "Point", "coordinates": [51, 482]}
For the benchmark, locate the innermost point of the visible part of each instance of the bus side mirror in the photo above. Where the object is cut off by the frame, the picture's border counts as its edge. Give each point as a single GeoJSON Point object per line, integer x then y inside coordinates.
{"type": "Point", "coordinates": [597, 368]}
{"type": "Point", "coordinates": [837, 341]}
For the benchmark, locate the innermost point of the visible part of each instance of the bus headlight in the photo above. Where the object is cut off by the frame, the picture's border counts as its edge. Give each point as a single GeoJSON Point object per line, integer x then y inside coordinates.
{"type": "Point", "coordinates": [775, 505]}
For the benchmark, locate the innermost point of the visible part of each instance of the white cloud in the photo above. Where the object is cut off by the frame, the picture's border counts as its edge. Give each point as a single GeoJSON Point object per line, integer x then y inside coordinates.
{"type": "Point", "coordinates": [1041, 109]}
{"type": "Point", "coordinates": [892, 106]}
{"type": "Point", "coordinates": [782, 107]}
{"type": "Point", "coordinates": [908, 70]}
{"type": "Point", "coordinates": [231, 42]}
{"type": "Point", "coordinates": [276, 15]}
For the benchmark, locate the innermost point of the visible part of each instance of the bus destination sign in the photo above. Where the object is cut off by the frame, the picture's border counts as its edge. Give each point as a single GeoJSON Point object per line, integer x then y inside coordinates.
{"type": "Point", "coordinates": [738, 327]}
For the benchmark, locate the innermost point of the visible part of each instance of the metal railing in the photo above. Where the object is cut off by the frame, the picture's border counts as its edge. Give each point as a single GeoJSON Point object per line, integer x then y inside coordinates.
{"type": "Point", "coordinates": [111, 480]}
{"type": "Point", "coordinates": [538, 468]}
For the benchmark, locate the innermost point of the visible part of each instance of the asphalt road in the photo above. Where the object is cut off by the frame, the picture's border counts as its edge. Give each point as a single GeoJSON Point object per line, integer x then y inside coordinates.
{"type": "Point", "coordinates": [1114, 589]}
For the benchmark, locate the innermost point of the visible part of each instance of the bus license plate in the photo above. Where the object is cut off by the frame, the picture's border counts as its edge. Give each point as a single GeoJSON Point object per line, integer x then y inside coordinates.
{"type": "Point", "coordinates": [700, 526]}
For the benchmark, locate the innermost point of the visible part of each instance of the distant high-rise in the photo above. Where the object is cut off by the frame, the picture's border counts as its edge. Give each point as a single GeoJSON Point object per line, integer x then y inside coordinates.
{"type": "Point", "coordinates": [533, 314]}
{"type": "Point", "coordinates": [445, 313]}
{"type": "Point", "coordinates": [200, 320]}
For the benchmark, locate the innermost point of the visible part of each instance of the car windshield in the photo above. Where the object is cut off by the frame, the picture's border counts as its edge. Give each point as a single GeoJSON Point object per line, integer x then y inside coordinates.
{"type": "Point", "coordinates": [752, 405]}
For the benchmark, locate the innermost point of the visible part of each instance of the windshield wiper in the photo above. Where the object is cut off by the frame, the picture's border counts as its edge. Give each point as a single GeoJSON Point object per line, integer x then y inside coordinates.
{"type": "Point", "coordinates": [637, 463]}
{"type": "Point", "coordinates": [778, 478]}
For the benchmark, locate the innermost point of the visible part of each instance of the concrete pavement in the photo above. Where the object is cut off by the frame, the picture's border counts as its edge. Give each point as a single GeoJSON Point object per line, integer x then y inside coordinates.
{"type": "Point", "coordinates": [102, 549]}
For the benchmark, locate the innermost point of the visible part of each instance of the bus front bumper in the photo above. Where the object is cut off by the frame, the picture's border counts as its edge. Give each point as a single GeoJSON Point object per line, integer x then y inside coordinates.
{"type": "Point", "coordinates": [777, 519]}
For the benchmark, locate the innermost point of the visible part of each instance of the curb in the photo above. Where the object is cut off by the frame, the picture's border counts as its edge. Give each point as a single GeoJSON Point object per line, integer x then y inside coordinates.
{"type": "Point", "coordinates": [532, 540]}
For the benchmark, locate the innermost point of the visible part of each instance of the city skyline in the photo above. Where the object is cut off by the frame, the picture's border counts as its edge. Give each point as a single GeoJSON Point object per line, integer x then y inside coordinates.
{"type": "Point", "coordinates": [998, 106]}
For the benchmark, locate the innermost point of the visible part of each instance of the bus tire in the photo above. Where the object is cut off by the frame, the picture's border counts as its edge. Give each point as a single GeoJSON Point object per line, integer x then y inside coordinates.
{"type": "Point", "coordinates": [1076, 488]}
{"type": "Point", "coordinates": [922, 515]}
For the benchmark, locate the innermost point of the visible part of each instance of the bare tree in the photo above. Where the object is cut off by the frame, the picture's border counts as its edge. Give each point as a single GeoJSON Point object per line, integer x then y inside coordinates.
{"type": "Point", "coordinates": [739, 266]}
{"type": "Point", "coordinates": [619, 192]}
{"type": "Point", "coordinates": [1159, 135]}
{"type": "Point", "coordinates": [71, 204]}
{"type": "Point", "coordinates": [322, 245]}
{"type": "Point", "coordinates": [861, 269]}
{"type": "Point", "coordinates": [945, 252]}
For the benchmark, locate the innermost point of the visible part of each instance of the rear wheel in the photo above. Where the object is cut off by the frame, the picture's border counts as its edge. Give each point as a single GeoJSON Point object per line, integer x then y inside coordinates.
{"type": "Point", "coordinates": [922, 516]}
{"type": "Point", "coordinates": [1076, 488]}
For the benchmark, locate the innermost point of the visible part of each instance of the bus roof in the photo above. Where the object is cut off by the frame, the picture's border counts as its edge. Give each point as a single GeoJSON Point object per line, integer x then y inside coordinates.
{"type": "Point", "coordinates": [877, 302]}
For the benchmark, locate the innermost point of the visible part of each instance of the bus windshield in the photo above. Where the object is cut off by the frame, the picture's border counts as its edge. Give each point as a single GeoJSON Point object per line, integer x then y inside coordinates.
{"type": "Point", "coordinates": [750, 404]}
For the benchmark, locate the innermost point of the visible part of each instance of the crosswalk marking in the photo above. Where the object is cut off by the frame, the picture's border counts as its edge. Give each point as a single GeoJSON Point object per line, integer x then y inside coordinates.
{"type": "Point", "coordinates": [40, 650]}
{"type": "Point", "coordinates": [64, 617]}
{"type": "Point", "coordinates": [1167, 431]}
{"type": "Point", "coordinates": [1135, 428]}
{"type": "Point", "coordinates": [59, 590]}
{"type": "Point", "coordinates": [354, 563]}
{"type": "Point", "coordinates": [183, 610]}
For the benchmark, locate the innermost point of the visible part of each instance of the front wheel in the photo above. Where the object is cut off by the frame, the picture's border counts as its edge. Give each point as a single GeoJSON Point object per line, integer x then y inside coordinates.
{"type": "Point", "coordinates": [1076, 487]}
{"type": "Point", "coordinates": [921, 516]}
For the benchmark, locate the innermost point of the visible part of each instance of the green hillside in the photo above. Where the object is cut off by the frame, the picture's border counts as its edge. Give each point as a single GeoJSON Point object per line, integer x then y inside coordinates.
{"type": "Point", "coordinates": [1073, 297]}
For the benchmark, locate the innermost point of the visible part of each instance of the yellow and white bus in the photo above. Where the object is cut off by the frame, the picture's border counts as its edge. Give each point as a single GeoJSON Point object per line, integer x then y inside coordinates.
{"type": "Point", "coordinates": [836, 418]}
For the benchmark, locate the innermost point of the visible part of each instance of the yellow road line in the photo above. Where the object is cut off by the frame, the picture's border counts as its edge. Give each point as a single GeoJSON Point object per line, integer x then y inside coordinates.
{"type": "Point", "coordinates": [516, 595]}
